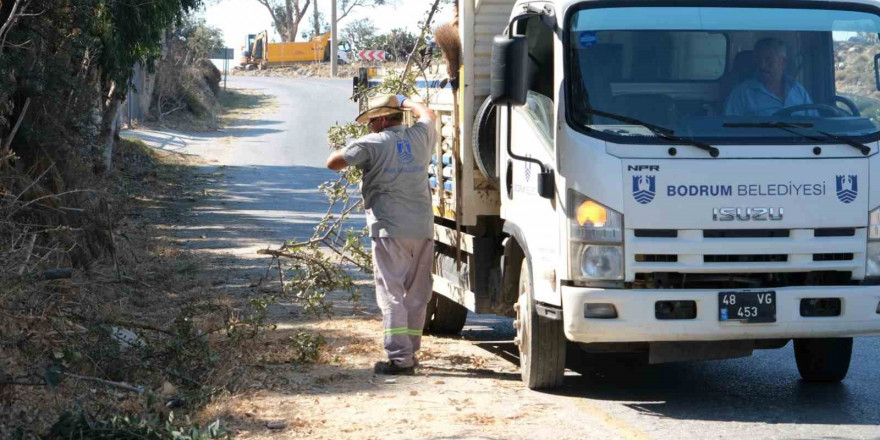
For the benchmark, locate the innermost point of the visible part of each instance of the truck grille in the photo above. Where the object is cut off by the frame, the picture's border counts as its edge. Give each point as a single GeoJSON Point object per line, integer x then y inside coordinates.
{"type": "Point", "coordinates": [746, 233]}
{"type": "Point", "coordinates": [675, 280]}
{"type": "Point", "coordinates": [833, 257]}
{"type": "Point", "coordinates": [657, 258]}
{"type": "Point", "coordinates": [771, 258]}
{"type": "Point", "coordinates": [656, 233]}
{"type": "Point", "coordinates": [835, 232]}
{"type": "Point", "coordinates": [796, 256]}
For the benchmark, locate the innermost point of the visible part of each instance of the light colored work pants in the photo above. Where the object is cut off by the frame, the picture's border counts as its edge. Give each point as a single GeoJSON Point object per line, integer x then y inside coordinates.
{"type": "Point", "coordinates": [403, 288]}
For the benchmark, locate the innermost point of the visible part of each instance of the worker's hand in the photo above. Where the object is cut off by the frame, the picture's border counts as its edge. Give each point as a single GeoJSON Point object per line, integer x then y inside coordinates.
{"type": "Point", "coordinates": [400, 99]}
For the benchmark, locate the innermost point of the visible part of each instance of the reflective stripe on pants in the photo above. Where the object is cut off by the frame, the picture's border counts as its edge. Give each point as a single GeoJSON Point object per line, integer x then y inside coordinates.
{"type": "Point", "coordinates": [403, 288]}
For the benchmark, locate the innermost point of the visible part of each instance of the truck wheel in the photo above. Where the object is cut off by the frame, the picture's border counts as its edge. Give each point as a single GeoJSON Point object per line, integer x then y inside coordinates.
{"type": "Point", "coordinates": [823, 360]}
{"type": "Point", "coordinates": [541, 341]}
{"type": "Point", "coordinates": [449, 316]}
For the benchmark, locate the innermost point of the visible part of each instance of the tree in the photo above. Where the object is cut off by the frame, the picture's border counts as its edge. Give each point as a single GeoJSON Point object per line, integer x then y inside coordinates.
{"type": "Point", "coordinates": [286, 16]}
{"type": "Point", "coordinates": [398, 43]}
{"type": "Point", "coordinates": [130, 31]}
{"type": "Point", "coordinates": [317, 26]}
{"type": "Point", "coordinates": [317, 18]}
{"type": "Point", "coordinates": [186, 80]}
{"type": "Point", "coordinates": [194, 38]}
{"type": "Point", "coordinates": [358, 32]}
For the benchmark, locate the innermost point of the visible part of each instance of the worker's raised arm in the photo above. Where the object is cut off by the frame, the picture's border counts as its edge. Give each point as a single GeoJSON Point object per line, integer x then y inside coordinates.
{"type": "Point", "coordinates": [336, 161]}
{"type": "Point", "coordinates": [419, 110]}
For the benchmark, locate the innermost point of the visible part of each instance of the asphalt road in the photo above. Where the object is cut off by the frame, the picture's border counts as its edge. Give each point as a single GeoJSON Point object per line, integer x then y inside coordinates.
{"type": "Point", "coordinates": [269, 182]}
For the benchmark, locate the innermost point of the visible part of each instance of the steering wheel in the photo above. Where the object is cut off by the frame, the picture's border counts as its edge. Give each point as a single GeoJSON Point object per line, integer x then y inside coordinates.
{"type": "Point", "coordinates": [824, 110]}
{"type": "Point", "coordinates": [853, 109]}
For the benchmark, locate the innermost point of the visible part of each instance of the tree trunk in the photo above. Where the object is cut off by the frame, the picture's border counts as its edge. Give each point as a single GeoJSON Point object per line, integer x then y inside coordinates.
{"type": "Point", "coordinates": [317, 18]}
{"type": "Point", "coordinates": [109, 118]}
{"type": "Point", "coordinates": [293, 21]}
{"type": "Point", "coordinates": [108, 131]}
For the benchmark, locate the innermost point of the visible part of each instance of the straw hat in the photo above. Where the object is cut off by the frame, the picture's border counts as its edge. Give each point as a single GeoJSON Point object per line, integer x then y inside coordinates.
{"type": "Point", "coordinates": [380, 105]}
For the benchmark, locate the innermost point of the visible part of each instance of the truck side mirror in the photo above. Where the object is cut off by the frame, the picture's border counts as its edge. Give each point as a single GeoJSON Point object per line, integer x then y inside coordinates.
{"type": "Point", "coordinates": [509, 85]}
{"type": "Point", "coordinates": [547, 184]}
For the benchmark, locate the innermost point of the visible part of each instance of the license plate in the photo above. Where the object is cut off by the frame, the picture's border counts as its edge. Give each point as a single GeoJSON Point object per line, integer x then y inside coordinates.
{"type": "Point", "coordinates": [749, 307]}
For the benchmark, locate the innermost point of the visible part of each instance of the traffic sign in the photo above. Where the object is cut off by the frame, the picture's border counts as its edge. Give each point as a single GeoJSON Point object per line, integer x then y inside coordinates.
{"type": "Point", "coordinates": [372, 55]}
{"type": "Point", "coordinates": [224, 53]}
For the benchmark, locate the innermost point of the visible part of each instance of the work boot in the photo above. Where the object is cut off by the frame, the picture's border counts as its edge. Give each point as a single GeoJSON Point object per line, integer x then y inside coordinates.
{"type": "Point", "coordinates": [391, 369]}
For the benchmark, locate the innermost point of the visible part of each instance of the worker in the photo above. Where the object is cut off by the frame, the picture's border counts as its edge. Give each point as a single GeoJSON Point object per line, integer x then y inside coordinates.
{"type": "Point", "coordinates": [397, 201]}
{"type": "Point", "coordinates": [771, 90]}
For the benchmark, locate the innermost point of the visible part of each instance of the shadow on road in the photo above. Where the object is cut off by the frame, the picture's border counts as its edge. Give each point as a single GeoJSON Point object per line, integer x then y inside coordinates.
{"type": "Point", "coordinates": [244, 209]}
{"type": "Point", "coordinates": [765, 388]}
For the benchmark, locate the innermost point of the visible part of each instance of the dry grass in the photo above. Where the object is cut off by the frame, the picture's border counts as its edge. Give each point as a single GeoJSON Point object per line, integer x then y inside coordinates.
{"type": "Point", "coordinates": [243, 104]}
{"type": "Point", "coordinates": [143, 315]}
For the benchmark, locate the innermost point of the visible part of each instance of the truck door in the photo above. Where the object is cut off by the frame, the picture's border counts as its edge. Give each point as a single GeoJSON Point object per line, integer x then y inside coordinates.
{"type": "Point", "coordinates": [532, 135]}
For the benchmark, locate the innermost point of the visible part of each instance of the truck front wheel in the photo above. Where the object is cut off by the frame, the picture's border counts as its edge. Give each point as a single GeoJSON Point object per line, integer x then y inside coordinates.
{"type": "Point", "coordinates": [541, 341]}
{"type": "Point", "coordinates": [823, 360]}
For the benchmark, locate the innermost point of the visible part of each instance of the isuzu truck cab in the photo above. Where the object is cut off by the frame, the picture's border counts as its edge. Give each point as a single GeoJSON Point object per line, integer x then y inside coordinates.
{"type": "Point", "coordinates": [683, 179]}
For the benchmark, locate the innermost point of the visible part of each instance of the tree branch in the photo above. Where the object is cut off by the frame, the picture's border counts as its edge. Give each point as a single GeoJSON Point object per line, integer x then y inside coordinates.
{"type": "Point", "coordinates": [415, 48]}
{"type": "Point", "coordinates": [122, 385]}
{"type": "Point", "coordinates": [11, 19]}
{"type": "Point", "coordinates": [8, 144]}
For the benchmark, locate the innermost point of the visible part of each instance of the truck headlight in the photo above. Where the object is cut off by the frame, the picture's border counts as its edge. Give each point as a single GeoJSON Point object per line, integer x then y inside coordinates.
{"type": "Point", "coordinates": [595, 240]}
{"type": "Point", "coordinates": [873, 260]}
{"type": "Point", "coordinates": [601, 262]}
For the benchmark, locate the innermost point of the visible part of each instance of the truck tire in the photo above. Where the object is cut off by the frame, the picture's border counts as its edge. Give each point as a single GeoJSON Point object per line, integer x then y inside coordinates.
{"type": "Point", "coordinates": [483, 141]}
{"type": "Point", "coordinates": [823, 360]}
{"type": "Point", "coordinates": [449, 316]}
{"type": "Point", "coordinates": [541, 340]}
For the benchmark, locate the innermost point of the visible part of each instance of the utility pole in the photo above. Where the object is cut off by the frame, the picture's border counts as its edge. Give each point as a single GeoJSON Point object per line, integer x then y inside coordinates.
{"type": "Point", "coordinates": [334, 43]}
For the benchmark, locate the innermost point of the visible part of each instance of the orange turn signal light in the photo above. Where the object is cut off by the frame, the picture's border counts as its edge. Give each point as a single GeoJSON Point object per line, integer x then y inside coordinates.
{"type": "Point", "coordinates": [591, 213]}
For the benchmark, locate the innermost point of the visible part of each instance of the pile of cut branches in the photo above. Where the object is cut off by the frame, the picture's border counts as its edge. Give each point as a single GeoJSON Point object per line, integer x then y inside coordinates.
{"type": "Point", "coordinates": [99, 318]}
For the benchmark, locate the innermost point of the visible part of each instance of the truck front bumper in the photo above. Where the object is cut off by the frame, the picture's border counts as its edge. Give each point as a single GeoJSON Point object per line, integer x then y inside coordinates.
{"type": "Point", "coordinates": [637, 322]}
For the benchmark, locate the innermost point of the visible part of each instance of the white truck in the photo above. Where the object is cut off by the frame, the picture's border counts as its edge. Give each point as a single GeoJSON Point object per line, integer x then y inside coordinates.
{"type": "Point", "coordinates": [602, 187]}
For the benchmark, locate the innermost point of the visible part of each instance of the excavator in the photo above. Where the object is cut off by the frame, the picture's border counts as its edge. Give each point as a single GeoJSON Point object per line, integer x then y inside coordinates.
{"type": "Point", "coordinates": [259, 53]}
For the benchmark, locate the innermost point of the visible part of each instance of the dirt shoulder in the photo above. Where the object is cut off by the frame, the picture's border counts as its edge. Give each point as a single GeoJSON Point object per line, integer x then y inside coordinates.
{"type": "Point", "coordinates": [464, 389]}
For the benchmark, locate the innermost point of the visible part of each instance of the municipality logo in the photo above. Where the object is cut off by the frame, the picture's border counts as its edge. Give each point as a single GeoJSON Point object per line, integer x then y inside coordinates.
{"type": "Point", "coordinates": [404, 152]}
{"type": "Point", "coordinates": [847, 188]}
{"type": "Point", "coordinates": [644, 189]}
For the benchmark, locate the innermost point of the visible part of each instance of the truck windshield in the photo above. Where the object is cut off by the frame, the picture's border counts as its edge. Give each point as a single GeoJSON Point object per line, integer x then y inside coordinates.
{"type": "Point", "coordinates": [724, 75]}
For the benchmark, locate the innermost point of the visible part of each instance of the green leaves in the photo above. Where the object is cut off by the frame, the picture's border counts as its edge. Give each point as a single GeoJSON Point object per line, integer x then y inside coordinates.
{"type": "Point", "coordinates": [131, 31]}
{"type": "Point", "coordinates": [125, 427]}
{"type": "Point", "coordinates": [307, 347]}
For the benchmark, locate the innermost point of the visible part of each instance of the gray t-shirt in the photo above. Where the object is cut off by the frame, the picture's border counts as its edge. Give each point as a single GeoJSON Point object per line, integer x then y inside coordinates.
{"type": "Point", "coordinates": [397, 199]}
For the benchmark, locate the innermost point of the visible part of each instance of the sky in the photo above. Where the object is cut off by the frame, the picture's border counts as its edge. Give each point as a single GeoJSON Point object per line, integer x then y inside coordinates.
{"type": "Point", "coordinates": [238, 18]}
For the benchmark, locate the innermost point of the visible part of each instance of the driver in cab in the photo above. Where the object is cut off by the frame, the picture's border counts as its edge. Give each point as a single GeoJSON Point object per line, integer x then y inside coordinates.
{"type": "Point", "coordinates": [771, 90]}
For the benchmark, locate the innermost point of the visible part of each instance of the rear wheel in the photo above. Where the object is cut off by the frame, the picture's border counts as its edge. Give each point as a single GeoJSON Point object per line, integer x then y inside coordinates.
{"type": "Point", "coordinates": [446, 318]}
{"type": "Point", "coordinates": [541, 341]}
{"type": "Point", "coordinates": [823, 360]}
